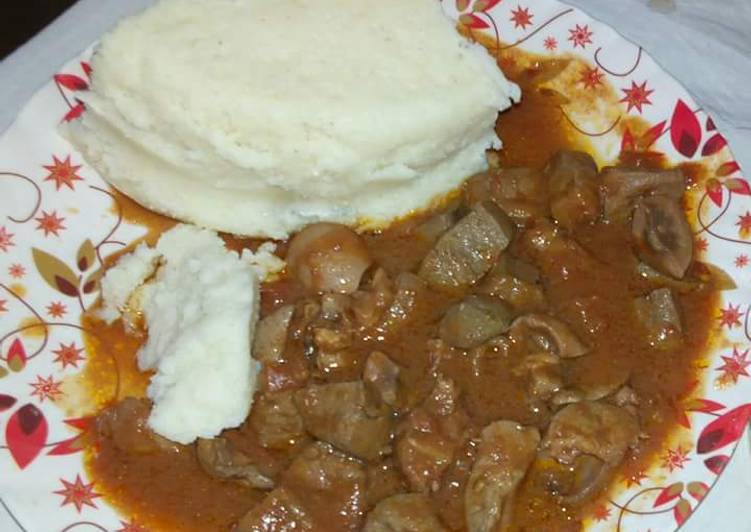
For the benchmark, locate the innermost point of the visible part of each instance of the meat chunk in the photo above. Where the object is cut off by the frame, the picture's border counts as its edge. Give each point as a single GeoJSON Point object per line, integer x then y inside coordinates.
{"type": "Point", "coordinates": [626, 398]}
{"type": "Point", "coordinates": [682, 286]}
{"type": "Point", "coordinates": [328, 257]}
{"type": "Point", "coordinates": [659, 313]}
{"type": "Point", "coordinates": [408, 512]}
{"type": "Point", "coordinates": [384, 480]}
{"type": "Point", "coordinates": [584, 443]}
{"type": "Point", "coordinates": [280, 511]}
{"type": "Point", "coordinates": [288, 368]}
{"type": "Point", "coordinates": [219, 459]}
{"type": "Point", "coordinates": [331, 483]}
{"type": "Point", "coordinates": [516, 283]}
{"type": "Point", "coordinates": [276, 421]}
{"type": "Point", "coordinates": [125, 424]}
{"type": "Point", "coordinates": [334, 357]}
{"type": "Point", "coordinates": [574, 188]}
{"type": "Point", "coordinates": [663, 236]}
{"type": "Point", "coordinates": [330, 337]}
{"type": "Point", "coordinates": [564, 264]}
{"type": "Point", "coordinates": [287, 375]}
{"type": "Point", "coordinates": [521, 192]}
{"type": "Point", "coordinates": [423, 451]}
{"type": "Point", "coordinates": [474, 321]}
{"type": "Point", "coordinates": [370, 302]}
{"type": "Point", "coordinates": [569, 167]}
{"type": "Point", "coordinates": [572, 483]}
{"type": "Point", "coordinates": [622, 187]}
{"type": "Point", "coordinates": [271, 335]}
{"type": "Point", "coordinates": [432, 229]}
{"type": "Point", "coordinates": [467, 251]}
{"type": "Point", "coordinates": [334, 307]}
{"type": "Point", "coordinates": [339, 414]}
{"type": "Point", "coordinates": [443, 399]}
{"type": "Point", "coordinates": [505, 453]}
{"type": "Point", "coordinates": [430, 436]}
{"type": "Point", "coordinates": [606, 385]}
{"type": "Point", "coordinates": [448, 500]}
{"type": "Point", "coordinates": [408, 291]}
{"type": "Point", "coordinates": [594, 428]}
{"type": "Point", "coordinates": [322, 490]}
{"type": "Point", "coordinates": [381, 378]}
{"type": "Point", "coordinates": [548, 333]}
{"type": "Point", "coordinates": [544, 373]}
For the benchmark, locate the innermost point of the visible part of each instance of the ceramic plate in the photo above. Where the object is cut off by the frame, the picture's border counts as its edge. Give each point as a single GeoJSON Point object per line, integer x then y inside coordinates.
{"type": "Point", "coordinates": [58, 220]}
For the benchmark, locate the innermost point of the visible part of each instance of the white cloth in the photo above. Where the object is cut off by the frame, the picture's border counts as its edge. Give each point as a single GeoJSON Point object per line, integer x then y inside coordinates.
{"type": "Point", "coordinates": [706, 45]}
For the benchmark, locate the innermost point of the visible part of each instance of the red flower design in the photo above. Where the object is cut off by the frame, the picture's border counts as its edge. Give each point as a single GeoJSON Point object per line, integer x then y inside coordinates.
{"type": "Point", "coordinates": [550, 43]}
{"type": "Point", "coordinates": [723, 431]}
{"type": "Point", "coordinates": [77, 493]}
{"type": "Point", "coordinates": [131, 527]}
{"type": "Point", "coordinates": [50, 223]}
{"type": "Point", "coordinates": [701, 244]}
{"type": "Point", "coordinates": [471, 20]}
{"type": "Point", "coordinates": [521, 17]}
{"type": "Point", "coordinates": [734, 366]}
{"type": "Point", "coordinates": [47, 388]}
{"type": "Point", "coordinates": [741, 261]}
{"type": "Point", "coordinates": [725, 169]}
{"type": "Point", "coordinates": [685, 130]}
{"type": "Point", "coordinates": [744, 225]}
{"type": "Point", "coordinates": [26, 434]}
{"type": "Point", "coordinates": [63, 173]}
{"type": "Point", "coordinates": [580, 36]}
{"type": "Point", "coordinates": [56, 309]}
{"type": "Point", "coordinates": [730, 317]}
{"type": "Point", "coordinates": [6, 239]}
{"type": "Point", "coordinates": [637, 96]}
{"type": "Point", "coordinates": [601, 512]}
{"type": "Point", "coordinates": [716, 464]}
{"type": "Point", "coordinates": [737, 185]}
{"type": "Point", "coordinates": [71, 82]}
{"type": "Point", "coordinates": [76, 443]}
{"type": "Point", "coordinates": [16, 357]}
{"type": "Point", "coordinates": [16, 271]}
{"type": "Point", "coordinates": [3, 308]}
{"type": "Point", "coordinates": [675, 459]}
{"type": "Point", "coordinates": [484, 5]}
{"type": "Point", "coordinates": [696, 404]}
{"type": "Point", "coordinates": [714, 191]}
{"type": "Point", "coordinates": [716, 143]}
{"type": "Point", "coordinates": [592, 77]}
{"type": "Point", "coordinates": [68, 355]}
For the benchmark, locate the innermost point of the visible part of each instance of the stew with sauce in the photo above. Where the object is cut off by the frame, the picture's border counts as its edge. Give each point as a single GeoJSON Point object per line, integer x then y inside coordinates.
{"type": "Point", "coordinates": [493, 366]}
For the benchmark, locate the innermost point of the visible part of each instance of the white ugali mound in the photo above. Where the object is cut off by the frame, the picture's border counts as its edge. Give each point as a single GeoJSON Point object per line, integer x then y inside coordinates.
{"type": "Point", "coordinates": [258, 117]}
{"type": "Point", "coordinates": [200, 307]}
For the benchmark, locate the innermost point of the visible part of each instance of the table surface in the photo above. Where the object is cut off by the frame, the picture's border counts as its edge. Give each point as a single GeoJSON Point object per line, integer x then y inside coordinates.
{"type": "Point", "coordinates": [22, 20]}
{"type": "Point", "coordinates": [713, 36]}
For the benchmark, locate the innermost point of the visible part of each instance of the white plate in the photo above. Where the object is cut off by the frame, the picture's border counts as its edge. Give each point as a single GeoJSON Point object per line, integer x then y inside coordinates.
{"type": "Point", "coordinates": [52, 204]}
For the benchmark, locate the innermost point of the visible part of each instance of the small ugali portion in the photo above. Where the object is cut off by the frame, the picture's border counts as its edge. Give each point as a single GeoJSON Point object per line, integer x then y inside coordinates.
{"type": "Point", "coordinates": [200, 309]}
{"type": "Point", "coordinates": [258, 117]}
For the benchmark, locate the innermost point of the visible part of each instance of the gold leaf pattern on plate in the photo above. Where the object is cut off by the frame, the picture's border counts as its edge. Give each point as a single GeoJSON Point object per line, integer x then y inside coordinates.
{"type": "Point", "coordinates": [86, 255]}
{"type": "Point", "coordinates": [56, 273]}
